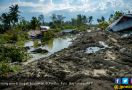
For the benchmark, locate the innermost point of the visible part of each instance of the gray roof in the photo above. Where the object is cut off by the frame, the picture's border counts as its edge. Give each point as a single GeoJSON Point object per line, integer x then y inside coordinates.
{"type": "Point", "coordinates": [123, 23]}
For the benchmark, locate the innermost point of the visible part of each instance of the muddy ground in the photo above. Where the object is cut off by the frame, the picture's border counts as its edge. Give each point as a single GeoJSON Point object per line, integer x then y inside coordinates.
{"type": "Point", "coordinates": [75, 68]}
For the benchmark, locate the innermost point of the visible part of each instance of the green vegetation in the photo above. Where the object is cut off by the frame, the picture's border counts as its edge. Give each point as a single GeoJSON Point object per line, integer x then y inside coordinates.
{"type": "Point", "coordinates": [12, 34]}
{"type": "Point", "coordinates": [9, 55]}
{"type": "Point", "coordinates": [35, 23]}
{"type": "Point", "coordinates": [47, 35]}
{"type": "Point", "coordinates": [6, 68]}
{"type": "Point", "coordinates": [14, 28]}
{"type": "Point", "coordinates": [20, 43]}
{"type": "Point", "coordinates": [9, 19]}
{"type": "Point", "coordinates": [12, 54]}
{"type": "Point", "coordinates": [36, 43]}
{"type": "Point", "coordinates": [82, 22]}
{"type": "Point", "coordinates": [103, 23]}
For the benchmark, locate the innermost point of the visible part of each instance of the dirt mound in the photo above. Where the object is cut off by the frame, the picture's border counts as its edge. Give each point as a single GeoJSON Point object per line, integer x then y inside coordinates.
{"type": "Point", "coordinates": [76, 69]}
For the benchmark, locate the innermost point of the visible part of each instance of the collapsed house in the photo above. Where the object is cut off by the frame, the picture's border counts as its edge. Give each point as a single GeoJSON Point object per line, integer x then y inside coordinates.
{"type": "Point", "coordinates": [124, 23]}
{"type": "Point", "coordinates": [35, 34]}
{"type": "Point", "coordinates": [38, 33]}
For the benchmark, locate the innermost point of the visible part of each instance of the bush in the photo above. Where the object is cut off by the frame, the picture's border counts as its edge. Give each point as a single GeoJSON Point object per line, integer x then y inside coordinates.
{"type": "Point", "coordinates": [57, 30]}
{"type": "Point", "coordinates": [36, 43]}
{"type": "Point", "coordinates": [20, 43]}
{"type": "Point", "coordinates": [69, 27]}
{"type": "Point", "coordinates": [9, 55]}
{"type": "Point", "coordinates": [6, 68]}
{"type": "Point", "coordinates": [13, 36]}
{"type": "Point", "coordinates": [12, 54]}
{"type": "Point", "coordinates": [103, 25]}
{"type": "Point", "coordinates": [48, 35]}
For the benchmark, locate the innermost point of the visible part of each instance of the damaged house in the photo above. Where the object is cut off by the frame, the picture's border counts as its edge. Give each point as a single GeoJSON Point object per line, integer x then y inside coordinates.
{"type": "Point", "coordinates": [124, 23]}
{"type": "Point", "coordinates": [35, 34]}
{"type": "Point", "coordinates": [44, 28]}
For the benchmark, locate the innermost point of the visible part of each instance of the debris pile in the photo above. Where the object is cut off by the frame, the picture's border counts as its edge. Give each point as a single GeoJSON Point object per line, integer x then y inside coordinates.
{"type": "Point", "coordinates": [74, 69]}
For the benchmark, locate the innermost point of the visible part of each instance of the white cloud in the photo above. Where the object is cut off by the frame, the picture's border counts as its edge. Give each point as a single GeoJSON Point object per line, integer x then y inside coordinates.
{"type": "Point", "coordinates": [41, 0]}
{"type": "Point", "coordinates": [48, 6]}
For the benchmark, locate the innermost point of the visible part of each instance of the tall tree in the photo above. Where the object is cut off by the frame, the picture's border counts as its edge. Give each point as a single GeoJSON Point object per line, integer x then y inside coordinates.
{"type": "Point", "coordinates": [111, 18]}
{"type": "Point", "coordinates": [5, 21]}
{"type": "Point", "coordinates": [41, 19]}
{"type": "Point", "coordinates": [103, 24]}
{"type": "Point", "coordinates": [79, 20]}
{"type": "Point", "coordinates": [34, 23]}
{"type": "Point", "coordinates": [60, 19]}
{"type": "Point", "coordinates": [74, 21]}
{"type": "Point", "coordinates": [54, 18]}
{"type": "Point", "coordinates": [102, 18]}
{"type": "Point", "coordinates": [23, 24]}
{"type": "Point", "coordinates": [57, 20]}
{"type": "Point", "coordinates": [90, 19]}
{"type": "Point", "coordinates": [14, 14]}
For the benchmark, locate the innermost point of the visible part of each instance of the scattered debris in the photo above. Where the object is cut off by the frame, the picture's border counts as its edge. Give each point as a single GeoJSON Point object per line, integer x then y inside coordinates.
{"type": "Point", "coordinates": [103, 44]}
{"type": "Point", "coordinates": [93, 49]}
{"type": "Point", "coordinates": [99, 72]}
{"type": "Point", "coordinates": [74, 65]}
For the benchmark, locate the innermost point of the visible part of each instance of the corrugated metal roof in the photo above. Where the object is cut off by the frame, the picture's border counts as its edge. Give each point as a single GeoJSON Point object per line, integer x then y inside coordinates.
{"type": "Point", "coordinates": [45, 27]}
{"type": "Point", "coordinates": [124, 22]}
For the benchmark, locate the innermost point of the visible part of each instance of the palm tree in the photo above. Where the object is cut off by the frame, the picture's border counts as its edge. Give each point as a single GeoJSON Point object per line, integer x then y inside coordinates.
{"type": "Point", "coordinates": [14, 14]}
{"type": "Point", "coordinates": [102, 18]}
{"type": "Point", "coordinates": [111, 18]}
{"type": "Point", "coordinates": [84, 19]}
{"type": "Point", "coordinates": [117, 15]}
{"type": "Point", "coordinates": [90, 19]}
{"type": "Point", "coordinates": [5, 19]}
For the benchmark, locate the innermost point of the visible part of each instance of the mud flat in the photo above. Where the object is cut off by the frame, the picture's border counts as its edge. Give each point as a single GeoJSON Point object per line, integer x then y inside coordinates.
{"type": "Point", "coordinates": [78, 67]}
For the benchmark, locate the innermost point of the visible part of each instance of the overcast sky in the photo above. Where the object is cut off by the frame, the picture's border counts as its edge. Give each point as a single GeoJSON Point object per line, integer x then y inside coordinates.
{"type": "Point", "coordinates": [68, 8]}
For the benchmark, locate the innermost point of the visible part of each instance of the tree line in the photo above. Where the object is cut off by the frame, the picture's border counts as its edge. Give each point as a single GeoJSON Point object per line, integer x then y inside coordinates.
{"type": "Point", "coordinates": [12, 19]}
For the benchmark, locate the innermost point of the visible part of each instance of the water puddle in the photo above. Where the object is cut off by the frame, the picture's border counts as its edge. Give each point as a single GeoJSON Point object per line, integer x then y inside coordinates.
{"type": "Point", "coordinates": [92, 49]}
{"type": "Point", "coordinates": [67, 31]}
{"type": "Point", "coordinates": [29, 44]}
{"type": "Point", "coordinates": [96, 49]}
{"type": "Point", "coordinates": [53, 45]}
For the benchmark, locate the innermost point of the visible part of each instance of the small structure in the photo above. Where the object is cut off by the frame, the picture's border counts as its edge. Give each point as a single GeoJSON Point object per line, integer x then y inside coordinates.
{"type": "Point", "coordinates": [34, 33]}
{"type": "Point", "coordinates": [44, 28]}
{"type": "Point", "coordinates": [124, 23]}
{"type": "Point", "coordinates": [38, 33]}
